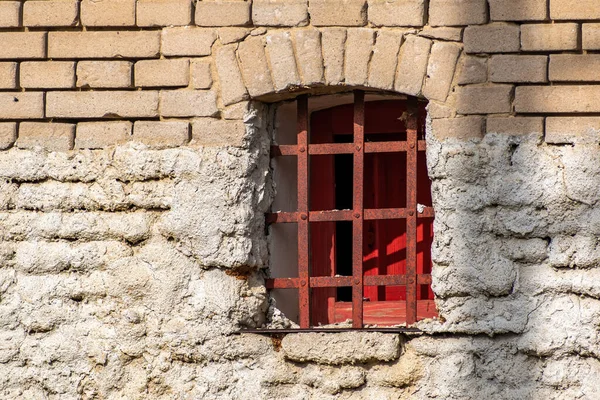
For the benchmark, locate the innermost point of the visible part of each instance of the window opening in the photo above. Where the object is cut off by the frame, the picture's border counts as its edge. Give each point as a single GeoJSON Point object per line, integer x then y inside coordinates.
{"type": "Point", "coordinates": [364, 215]}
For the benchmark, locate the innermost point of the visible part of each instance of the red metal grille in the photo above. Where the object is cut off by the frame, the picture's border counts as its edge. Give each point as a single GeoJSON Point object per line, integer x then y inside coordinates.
{"type": "Point", "coordinates": [303, 216]}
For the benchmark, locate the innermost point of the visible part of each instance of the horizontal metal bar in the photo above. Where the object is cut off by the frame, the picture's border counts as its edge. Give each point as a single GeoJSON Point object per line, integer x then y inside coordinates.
{"type": "Point", "coordinates": [344, 148]}
{"type": "Point", "coordinates": [330, 281]}
{"type": "Point", "coordinates": [345, 281]}
{"type": "Point", "coordinates": [344, 215]}
{"type": "Point", "coordinates": [396, 330]}
{"type": "Point", "coordinates": [331, 148]}
{"type": "Point", "coordinates": [335, 215]}
{"type": "Point", "coordinates": [282, 283]}
{"type": "Point", "coordinates": [281, 217]}
{"type": "Point", "coordinates": [385, 147]}
{"type": "Point", "coordinates": [385, 213]}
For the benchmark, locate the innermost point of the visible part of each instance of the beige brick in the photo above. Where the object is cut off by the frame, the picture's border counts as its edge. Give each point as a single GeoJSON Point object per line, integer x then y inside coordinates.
{"type": "Point", "coordinates": [412, 65]}
{"type": "Point", "coordinates": [518, 68]}
{"type": "Point", "coordinates": [188, 103]}
{"type": "Point", "coordinates": [440, 70]}
{"type": "Point", "coordinates": [50, 136]}
{"type": "Point", "coordinates": [187, 41]}
{"type": "Point", "coordinates": [164, 12]}
{"type": "Point", "coordinates": [166, 73]}
{"type": "Point", "coordinates": [201, 74]}
{"type": "Point", "coordinates": [473, 70]}
{"type": "Point", "coordinates": [338, 12]}
{"type": "Point", "coordinates": [18, 45]}
{"type": "Point", "coordinates": [223, 13]}
{"type": "Point", "coordinates": [104, 74]}
{"type": "Point", "coordinates": [397, 12]}
{"type": "Point", "coordinates": [99, 135]}
{"type": "Point", "coordinates": [574, 9]}
{"type": "Point", "coordinates": [359, 46]}
{"type": "Point", "coordinates": [8, 134]}
{"type": "Point", "coordinates": [280, 12]}
{"type": "Point", "coordinates": [105, 44]}
{"type": "Point", "coordinates": [437, 110]}
{"type": "Point", "coordinates": [108, 13]}
{"type": "Point", "coordinates": [518, 10]}
{"type": "Point", "coordinates": [457, 12]}
{"type": "Point", "coordinates": [160, 134]}
{"type": "Point", "coordinates": [549, 37]}
{"type": "Point", "coordinates": [333, 43]}
{"type": "Point", "coordinates": [590, 36]}
{"type": "Point", "coordinates": [236, 111]}
{"type": "Point", "coordinates": [492, 38]}
{"type": "Point", "coordinates": [254, 67]}
{"type": "Point", "coordinates": [232, 35]}
{"type": "Point", "coordinates": [218, 132]}
{"type": "Point", "coordinates": [385, 59]}
{"type": "Point", "coordinates": [9, 14]}
{"type": "Point", "coordinates": [112, 104]}
{"type": "Point", "coordinates": [230, 77]}
{"type": "Point", "coordinates": [8, 75]}
{"type": "Point", "coordinates": [21, 105]}
{"type": "Point", "coordinates": [516, 126]}
{"type": "Point", "coordinates": [573, 130]}
{"type": "Point", "coordinates": [282, 61]}
{"type": "Point", "coordinates": [574, 67]}
{"type": "Point", "coordinates": [50, 13]}
{"type": "Point", "coordinates": [557, 99]}
{"type": "Point", "coordinates": [47, 74]}
{"type": "Point", "coordinates": [464, 128]}
{"type": "Point", "coordinates": [494, 99]}
{"type": "Point", "coordinates": [443, 33]}
{"type": "Point", "coordinates": [309, 56]}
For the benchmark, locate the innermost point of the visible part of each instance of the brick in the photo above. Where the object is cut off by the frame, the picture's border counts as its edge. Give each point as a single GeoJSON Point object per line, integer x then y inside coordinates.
{"type": "Point", "coordinates": [590, 36]}
{"type": "Point", "coordinates": [21, 105]}
{"type": "Point", "coordinates": [218, 132]}
{"type": "Point", "coordinates": [166, 73]}
{"type": "Point", "coordinates": [437, 110]}
{"type": "Point", "coordinates": [557, 99]}
{"type": "Point", "coordinates": [473, 70]}
{"type": "Point", "coordinates": [164, 12]}
{"type": "Point", "coordinates": [47, 74]}
{"type": "Point", "coordinates": [201, 74]}
{"type": "Point", "coordinates": [457, 12]}
{"type": "Point", "coordinates": [236, 111]}
{"type": "Point", "coordinates": [8, 75]}
{"type": "Point", "coordinates": [18, 45]}
{"type": "Point", "coordinates": [9, 14]}
{"type": "Point", "coordinates": [232, 35]}
{"type": "Point", "coordinates": [574, 9]}
{"type": "Point", "coordinates": [187, 41]}
{"type": "Point", "coordinates": [105, 44]}
{"type": "Point", "coordinates": [50, 136]}
{"type": "Point", "coordinates": [412, 65]}
{"type": "Point", "coordinates": [385, 59]}
{"type": "Point", "coordinates": [516, 126]}
{"type": "Point", "coordinates": [443, 33]}
{"type": "Point", "coordinates": [280, 53]}
{"type": "Point", "coordinates": [464, 128]}
{"type": "Point", "coordinates": [104, 74]}
{"type": "Point", "coordinates": [338, 12]}
{"type": "Point", "coordinates": [549, 37]}
{"type": "Point", "coordinates": [112, 104]}
{"type": "Point", "coordinates": [397, 12]}
{"type": "Point", "coordinates": [440, 70]}
{"type": "Point", "coordinates": [254, 67]}
{"type": "Point", "coordinates": [108, 13]}
{"type": "Point", "coordinates": [159, 134]}
{"type": "Point", "coordinates": [574, 67]}
{"type": "Point", "coordinates": [492, 38]}
{"type": "Point", "coordinates": [50, 13]}
{"type": "Point", "coordinates": [359, 46]}
{"type": "Point", "coordinates": [223, 13]}
{"type": "Point", "coordinates": [309, 56]}
{"type": "Point", "coordinates": [518, 10]}
{"type": "Point", "coordinates": [99, 135]}
{"type": "Point", "coordinates": [8, 134]}
{"type": "Point", "coordinates": [188, 103]}
{"type": "Point", "coordinates": [230, 77]}
{"type": "Point", "coordinates": [333, 42]}
{"type": "Point", "coordinates": [280, 12]}
{"type": "Point", "coordinates": [572, 130]}
{"type": "Point", "coordinates": [484, 99]}
{"type": "Point", "coordinates": [518, 68]}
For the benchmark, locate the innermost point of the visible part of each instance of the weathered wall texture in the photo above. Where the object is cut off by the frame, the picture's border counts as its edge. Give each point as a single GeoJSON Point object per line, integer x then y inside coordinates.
{"type": "Point", "coordinates": [134, 175]}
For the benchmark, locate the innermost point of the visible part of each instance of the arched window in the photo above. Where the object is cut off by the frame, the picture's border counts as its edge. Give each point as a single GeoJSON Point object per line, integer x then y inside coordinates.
{"type": "Point", "coordinates": [363, 214]}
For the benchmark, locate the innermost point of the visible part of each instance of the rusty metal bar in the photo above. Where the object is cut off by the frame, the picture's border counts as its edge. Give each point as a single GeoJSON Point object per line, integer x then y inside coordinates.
{"type": "Point", "coordinates": [384, 147]}
{"type": "Point", "coordinates": [411, 206]}
{"type": "Point", "coordinates": [357, 223]}
{"type": "Point", "coordinates": [399, 329]}
{"type": "Point", "coordinates": [303, 226]}
{"type": "Point", "coordinates": [345, 215]}
{"type": "Point", "coordinates": [343, 148]}
{"type": "Point", "coordinates": [341, 281]}
{"type": "Point", "coordinates": [282, 283]}
{"type": "Point", "coordinates": [327, 216]}
{"type": "Point", "coordinates": [330, 281]}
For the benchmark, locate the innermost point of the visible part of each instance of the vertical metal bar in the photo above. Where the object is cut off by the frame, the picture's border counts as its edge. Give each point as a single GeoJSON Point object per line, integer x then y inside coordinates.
{"type": "Point", "coordinates": [357, 222]}
{"type": "Point", "coordinates": [303, 227]}
{"type": "Point", "coordinates": [411, 207]}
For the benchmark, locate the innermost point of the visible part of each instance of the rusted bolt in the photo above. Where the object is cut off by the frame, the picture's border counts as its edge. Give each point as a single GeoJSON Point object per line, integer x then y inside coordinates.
{"type": "Point", "coordinates": [357, 281]}
{"type": "Point", "coordinates": [358, 148]}
{"type": "Point", "coordinates": [302, 149]}
{"type": "Point", "coordinates": [411, 213]}
{"type": "Point", "coordinates": [356, 215]}
{"type": "Point", "coordinates": [302, 282]}
{"type": "Point", "coordinates": [303, 216]}
{"type": "Point", "coordinates": [411, 145]}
